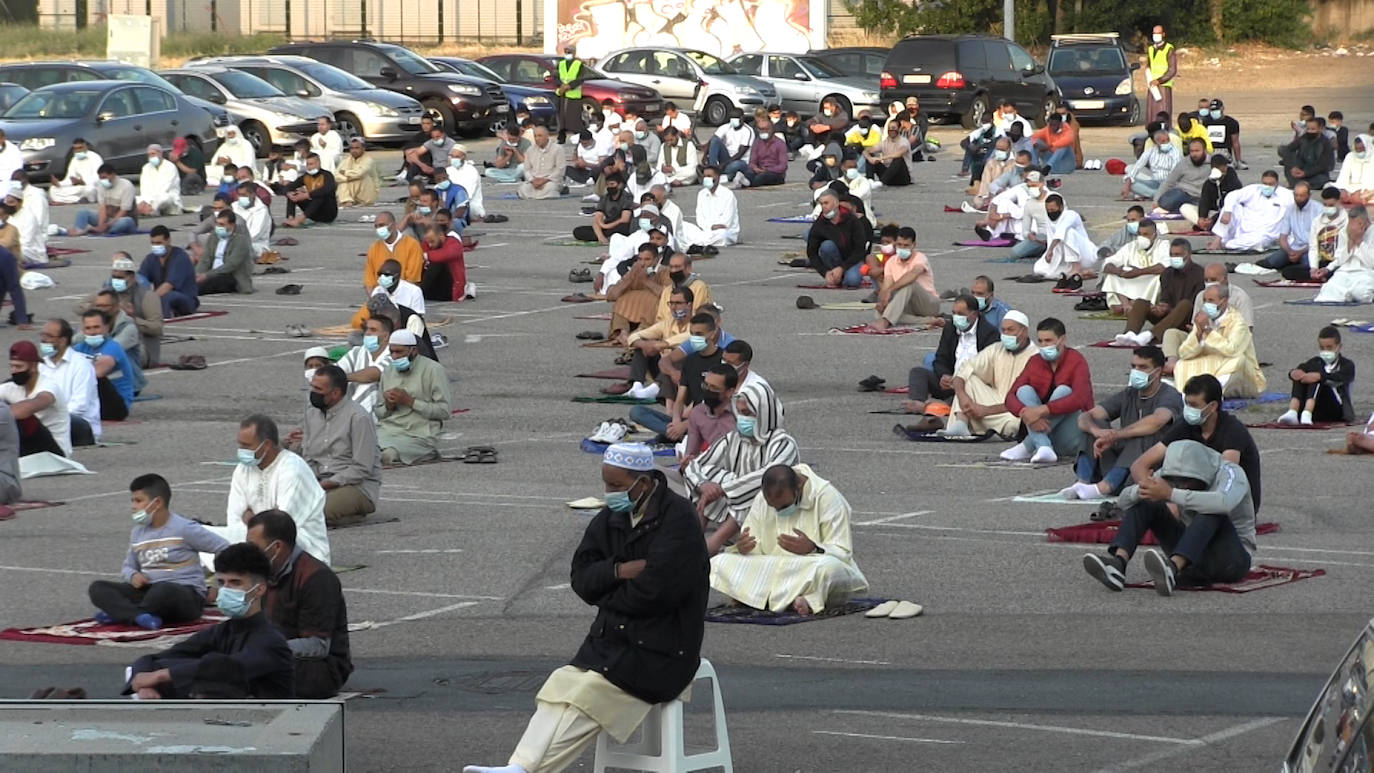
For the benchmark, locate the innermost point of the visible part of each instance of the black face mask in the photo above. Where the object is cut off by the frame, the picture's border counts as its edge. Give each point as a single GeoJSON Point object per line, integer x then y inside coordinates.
{"type": "Point", "coordinates": [677, 277]}
{"type": "Point", "coordinates": [612, 190]}
{"type": "Point", "coordinates": [1054, 215]}
{"type": "Point", "coordinates": [712, 399]}
{"type": "Point", "coordinates": [21, 378]}
{"type": "Point", "coordinates": [317, 400]}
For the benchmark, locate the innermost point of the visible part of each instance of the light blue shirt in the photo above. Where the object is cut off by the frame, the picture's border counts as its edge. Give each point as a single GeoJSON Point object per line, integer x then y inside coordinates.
{"type": "Point", "coordinates": [1298, 223]}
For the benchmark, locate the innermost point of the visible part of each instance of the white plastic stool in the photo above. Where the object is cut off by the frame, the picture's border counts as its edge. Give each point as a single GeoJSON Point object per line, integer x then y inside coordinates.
{"type": "Point", "coordinates": [662, 747]}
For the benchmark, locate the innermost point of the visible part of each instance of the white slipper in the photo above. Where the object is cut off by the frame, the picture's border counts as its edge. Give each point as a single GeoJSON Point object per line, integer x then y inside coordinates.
{"type": "Point", "coordinates": [883, 610]}
{"type": "Point", "coordinates": [586, 503]}
{"type": "Point", "coordinates": [906, 610]}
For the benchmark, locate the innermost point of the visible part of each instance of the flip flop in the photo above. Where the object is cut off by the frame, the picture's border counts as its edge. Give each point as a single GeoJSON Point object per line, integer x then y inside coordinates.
{"type": "Point", "coordinates": [288, 241]}
{"type": "Point", "coordinates": [905, 610]}
{"type": "Point", "coordinates": [276, 270]}
{"type": "Point", "coordinates": [479, 455]}
{"type": "Point", "coordinates": [882, 610]}
{"type": "Point", "coordinates": [189, 362]}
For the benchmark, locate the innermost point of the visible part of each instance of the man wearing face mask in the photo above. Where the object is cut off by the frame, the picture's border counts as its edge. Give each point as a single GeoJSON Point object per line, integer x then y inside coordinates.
{"type": "Point", "coordinates": [728, 149]}
{"type": "Point", "coordinates": [1185, 180]}
{"type": "Point", "coordinates": [795, 554]}
{"type": "Point", "coordinates": [717, 214]}
{"type": "Point", "coordinates": [1309, 157]}
{"type": "Point", "coordinates": [1018, 213]}
{"type": "Point", "coordinates": [1356, 178]}
{"type": "Point", "coordinates": [1239, 303]}
{"type": "Point", "coordinates": [712, 418]}
{"type": "Point", "coordinates": [365, 363]}
{"type": "Point", "coordinates": [1172, 309]}
{"type": "Point", "coordinates": [115, 212]}
{"type": "Point", "coordinates": [1133, 272]}
{"type": "Point", "coordinates": [30, 217]}
{"type": "Point", "coordinates": [864, 135]}
{"type": "Point", "coordinates": [981, 384]}
{"type": "Point", "coordinates": [36, 404]}
{"type": "Point", "coordinates": [226, 263]}
{"type": "Point", "coordinates": [79, 183]}
{"type": "Point", "coordinates": [247, 638]}
{"type": "Point", "coordinates": [1221, 345]}
{"type": "Point", "coordinates": [1222, 130]}
{"type": "Point", "coordinates": [1052, 146]}
{"type": "Point", "coordinates": [509, 163]}
{"type": "Point", "coordinates": [339, 441]}
{"type": "Point", "coordinates": [1294, 232]}
{"type": "Point", "coordinates": [1145, 177]}
{"type": "Point", "coordinates": [888, 161]}
{"type": "Point", "coordinates": [1326, 236]}
{"type": "Point", "coordinates": [837, 243]}
{"type": "Point", "coordinates": [642, 175]}
{"type": "Point", "coordinates": [907, 294]}
{"type": "Point", "coordinates": [159, 186]}
{"type": "Point", "coordinates": [1069, 251]}
{"type": "Point", "coordinates": [313, 197]}
{"type": "Point", "coordinates": [1145, 409]}
{"type": "Point", "coordinates": [114, 375]}
{"type": "Point", "coordinates": [401, 292]}
{"type": "Point", "coordinates": [233, 150]}
{"type": "Point", "coordinates": [678, 157]}
{"type": "Point", "coordinates": [1222, 180]}
{"type": "Point", "coordinates": [270, 477]}
{"type": "Point", "coordinates": [1048, 396]}
{"type": "Point", "coordinates": [960, 341]}
{"type": "Point", "coordinates": [305, 603]}
{"type": "Point", "coordinates": [162, 580]}
{"type": "Point", "coordinates": [171, 273]}
{"type": "Point", "coordinates": [704, 338]}
{"type": "Point", "coordinates": [391, 244]}
{"type": "Point", "coordinates": [133, 304]}
{"type": "Point", "coordinates": [614, 213]}
{"type": "Point", "coordinates": [642, 563]}
{"type": "Point", "coordinates": [1161, 62]}
{"type": "Point", "coordinates": [998, 165]}
{"type": "Point", "coordinates": [827, 128]}
{"type": "Point", "coordinates": [1252, 217]}
{"type": "Point", "coordinates": [74, 375]}
{"type": "Point", "coordinates": [1321, 385]}
{"type": "Point", "coordinates": [767, 163]}
{"type": "Point", "coordinates": [415, 402]}
{"type": "Point", "coordinates": [255, 216]}
{"type": "Point", "coordinates": [357, 176]}
{"type": "Point", "coordinates": [1350, 275]}
{"type": "Point", "coordinates": [124, 332]}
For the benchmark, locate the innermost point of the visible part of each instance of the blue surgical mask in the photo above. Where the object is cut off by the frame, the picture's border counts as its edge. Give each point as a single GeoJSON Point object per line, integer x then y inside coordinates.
{"type": "Point", "coordinates": [155, 161]}
{"type": "Point", "coordinates": [158, 250]}
{"type": "Point", "coordinates": [424, 210]}
{"type": "Point", "coordinates": [619, 501]}
{"type": "Point", "coordinates": [1011, 343]}
{"type": "Point", "coordinates": [1267, 191]}
{"type": "Point", "coordinates": [442, 185]}
{"type": "Point", "coordinates": [1001, 155]}
{"type": "Point", "coordinates": [1132, 226]}
{"type": "Point", "coordinates": [386, 280]}
{"type": "Point", "coordinates": [746, 425]}
{"type": "Point", "coordinates": [234, 602]}
{"type": "Point", "coordinates": [119, 285]}
{"type": "Point", "coordinates": [1050, 353]}
{"type": "Point", "coordinates": [246, 457]}
{"type": "Point", "coordinates": [95, 341]}
{"type": "Point", "coordinates": [961, 322]}
{"type": "Point", "coordinates": [982, 303]}
{"type": "Point", "coordinates": [401, 364]}
{"type": "Point", "coordinates": [1204, 114]}
{"type": "Point", "coordinates": [734, 123]}
{"type": "Point", "coordinates": [371, 343]}
{"type": "Point", "coordinates": [904, 253]}
{"type": "Point", "coordinates": [1213, 311]}
{"type": "Point", "coordinates": [851, 173]}
{"type": "Point", "coordinates": [245, 202]}
{"type": "Point", "coordinates": [789, 511]}
{"type": "Point", "coordinates": [1328, 357]}
{"type": "Point", "coordinates": [222, 231]}
{"type": "Point", "coordinates": [1175, 262]}
{"type": "Point", "coordinates": [79, 155]}
{"type": "Point", "coordinates": [1138, 379]}
{"type": "Point", "coordinates": [1192, 415]}
{"type": "Point", "coordinates": [708, 182]}
{"type": "Point", "coordinates": [383, 232]}
{"type": "Point", "coordinates": [106, 183]}
{"type": "Point", "coordinates": [141, 517]}
{"type": "Point", "coordinates": [47, 350]}
{"type": "Point", "coordinates": [698, 343]}
{"type": "Point", "coordinates": [679, 314]}
{"type": "Point", "coordinates": [1331, 211]}
{"type": "Point", "coordinates": [832, 214]}
{"type": "Point", "coordinates": [645, 223]}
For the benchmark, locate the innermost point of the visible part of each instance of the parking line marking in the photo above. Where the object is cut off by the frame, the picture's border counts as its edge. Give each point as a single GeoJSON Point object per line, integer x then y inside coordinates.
{"type": "Point", "coordinates": [886, 737]}
{"type": "Point", "coordinates": [892, 518]}
{"type": "Point", "coordinates": [832, 660]}
{"type": "Point", "coordinates": [1026, 726]}
{"type": "Point", "coordinates": [1206, 740]}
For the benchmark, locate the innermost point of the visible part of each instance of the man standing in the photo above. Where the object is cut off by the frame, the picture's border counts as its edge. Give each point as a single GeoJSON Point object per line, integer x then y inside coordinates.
{"type": "Point", "coordinates": [356, 176]}
{"type": "Point", "coordinates": [159, 186]}
{"type": "Point", "coordinates": [569, 93]}
{"type": "Point", "coordinates": [544, 167]}
{"type": "Point", "coordinates": [115, 213]}
{"type": "Point", "coordinates": [171, 273]}
{"type": "Point", "coordinates": [326, 143]}
{"type": "Point", "coordinates": [269, 477]}
{"type": "Point", "coordinates": [1162, 62]}
{"type": "Point", "coordinates": [643, 564]}
{"type": "Point", "coordinates": [226, 264]}
{"type": "Point", "coordinates": [415, 402]}
{"type": "Point", "coordinates": [339, 442]}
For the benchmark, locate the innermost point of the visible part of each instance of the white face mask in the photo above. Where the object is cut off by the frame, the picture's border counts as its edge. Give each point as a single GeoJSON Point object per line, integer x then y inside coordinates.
{"type": "Point", "coordinates": [1157, 38]}
{"type": "Point", "coordinates": [1143, 242]}
{"type": "Point", "coordinates": [1215, 174]}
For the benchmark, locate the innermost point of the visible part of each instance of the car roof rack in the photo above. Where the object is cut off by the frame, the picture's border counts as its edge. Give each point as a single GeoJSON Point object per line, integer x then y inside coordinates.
{"type": "Point", "coordinates": [1086, 37]}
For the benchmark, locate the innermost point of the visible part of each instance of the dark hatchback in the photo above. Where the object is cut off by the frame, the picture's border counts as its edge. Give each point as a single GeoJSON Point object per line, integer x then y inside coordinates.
{"type": "Point", "coordinates": [1094, 79]}
{"type": "Point", "coordinates": [966, 76]}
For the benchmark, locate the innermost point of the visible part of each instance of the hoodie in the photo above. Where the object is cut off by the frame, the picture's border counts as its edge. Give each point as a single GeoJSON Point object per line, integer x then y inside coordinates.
{"type": "Point", "coordinates": [1227, 492]}
{"type": "Point", "coordinates": [1357, 174]}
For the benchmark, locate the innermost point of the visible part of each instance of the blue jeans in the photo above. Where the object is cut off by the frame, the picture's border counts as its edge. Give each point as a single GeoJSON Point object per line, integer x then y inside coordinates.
{"type": "Point", "coordinates": [1210, 543]}
{"type": "Point", "coordinates": [1146, 188]}
{"type": "Point", "coordinates": [1089, 470]}
{"type": "Point", "coordinates": [9, 285]}
{"type": "Point", "coordinates": [1171, 200]}
{"type": "Point", "coordinates": [653, 420]}
{"type": "Point", "coordinates": [88, 218]}
{"type": "Point", "coordinates": [1064, 433]}
{"type": "Point", "coordinates": [718, 156]}
{"type": "Point", "coordinates": [831, 258]}
{"type": "Point", "coordinates": [510, 174]}
{"type": "Point", "coordinates": [1027, 249]}
{"type": "Point", "coordinates": [1061, 161]}
{"type": "Point", "coordinates": [1277, 260]}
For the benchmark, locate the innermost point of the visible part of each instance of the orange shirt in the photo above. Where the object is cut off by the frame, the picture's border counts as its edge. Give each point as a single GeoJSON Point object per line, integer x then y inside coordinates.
{"type": "Point", "coordinates": [1064, 139]}
{"type": "Point", "coordinates": [406, 251]}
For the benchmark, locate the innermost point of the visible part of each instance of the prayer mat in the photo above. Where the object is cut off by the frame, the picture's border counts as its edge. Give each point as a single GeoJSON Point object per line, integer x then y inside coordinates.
{"type": "Point", "coordinates": [195, 315]}
{"type": "Point", "coordinates": [597, 447]}
{"type": "Point", "coordinates": [1053, 498]}
{"type": "Point", "coordinates": [54, 251]}
{"type": "Point", "coordinates": [576, 243]}
{"type": "Point", "coordinates": [614, 399]}
{"type": "Point", "coordinates": [792, 219]}
{"type": "Point", "coordinates": [985, 243]}
{"type": "Point", "coordinates": [743, 614]}
{"type": "Point", "coordinates": [894, 412]}
{"type": "Point", "coordinates": [867, 330]}
{"type": "Point", "coordinates": [848, 306]}
{"type": "Point", "coordinates": [1260, 578]}
{"type": "Point", "coordinates": [933, 437]}
{"type": "Point", "coordinates": [1111, 343]}
{"type": "Point", "coordinates": [1234, 404]}
{"type": "Point", "coordinates": [606, 344]}
{"type": "Point", "coordinates": [1079, 293]}
{"type": "Point", "coordinates": [34, 504]}
{"type": "Point", "coordinates": [1103, 316]}
{"type": "Point", "coordinates": [604, 316]}
{"type": "Point", "coordinates": [457, 411]}
{"type": "Point", "coordinates": [89, 632]}
{"type": "Point", "coordinates": [1315, 302]}
{"type": "Point", "coordinates": [1314, 425]}
{"type": "Point", "coordinates": [612, 374]}
{"type": "Point", "coordinates": [365, 522]}
{"type": "Point", "coordinates": [865, 285]}
{"type": "Point", "coordinates": [507, 196]}
{"type": "Point", "coordinates": [948, 208]}
{"type": "Point", "coordinates": [1186, 233]}
{"type": "Point", "coordinates": [423, 462]}
{"type": "Point", "coordinates": [116, 236]}
{"type": "Point", "coordinates": [1285, 283]}
{"type": "Point", "coordinates": [1228, 252]}
{"type": "Point", "coordinates": [1103, 532]}
{"type": "Point", "coordinates": [146, 398]}
{"type": "Point", "coordinates": [55, 263]}
{"type": "Point", "coordinates": [117, 444]}
{"type": "Point", "coordinates": [1002, 464]}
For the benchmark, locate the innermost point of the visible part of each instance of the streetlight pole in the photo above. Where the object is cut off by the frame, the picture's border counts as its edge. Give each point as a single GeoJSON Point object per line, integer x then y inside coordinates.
{"type": "Point", "coordinates": [1009, 19]}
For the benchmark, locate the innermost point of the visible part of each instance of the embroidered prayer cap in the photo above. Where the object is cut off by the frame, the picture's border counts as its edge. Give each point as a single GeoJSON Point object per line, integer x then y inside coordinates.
{"type": "Point", "coordinates": [123, 264]}
{"type": "Point", "coordinates": [402, 337]}
{"type": "Point", "coordinates": [637, 457]}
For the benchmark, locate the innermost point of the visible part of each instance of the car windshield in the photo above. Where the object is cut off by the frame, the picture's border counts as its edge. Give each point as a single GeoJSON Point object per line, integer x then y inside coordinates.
{"type": "Point", "coordinates": [819, 68]}
{"type": "Point", "coordinates": [245, 86]}
{"type": "Point", "coordinates": [410, 61]}
{"type": "Point", "coordinates": [138, 75]}
{"type": "Point", "coordinates": [333, 78]}
{"type": "Point", "coordinates": [54, 104]}
{"type": "Point", "coordinates": [1086, 60]}
{"type": "Point", "coordinates": [709, 64]}
{"type": "Point", "coordinates": [474, 69]}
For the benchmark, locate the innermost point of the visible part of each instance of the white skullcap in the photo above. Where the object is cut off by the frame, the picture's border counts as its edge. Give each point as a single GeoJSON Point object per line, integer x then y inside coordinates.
{"type": "Point", "coordinates": [316, 351]}
{"type": "Point", "coordinates": [1018, 317]}
{"type": "Point", "coordinates": [155, 146]}
{"type": "Point", "coordinates": [123, 264]}
{"type": "Point", "coordinates": [402, 337]}
{"type": "Point", "coordinates": [629, 456]}
{"type": "Point", "coordinates": [1033, 177]}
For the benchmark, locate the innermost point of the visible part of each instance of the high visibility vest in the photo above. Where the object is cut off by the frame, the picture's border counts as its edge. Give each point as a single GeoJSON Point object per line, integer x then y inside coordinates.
{"type": "Point", "coordinates": [567, 73]}
{"type": "Point", "coordinates": [1159, 62]}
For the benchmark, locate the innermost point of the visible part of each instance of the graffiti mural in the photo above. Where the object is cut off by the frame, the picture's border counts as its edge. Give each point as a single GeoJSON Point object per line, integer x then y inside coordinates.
{"type": "Point", "coordinates": [720, 27]}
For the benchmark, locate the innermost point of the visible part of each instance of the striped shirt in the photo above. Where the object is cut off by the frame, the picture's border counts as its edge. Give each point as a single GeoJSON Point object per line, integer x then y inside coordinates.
{"type": "Point", "coordinates": [358, 359]}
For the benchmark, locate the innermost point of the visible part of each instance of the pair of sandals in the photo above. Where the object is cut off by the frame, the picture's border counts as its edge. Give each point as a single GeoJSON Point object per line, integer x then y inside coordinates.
{"type": "Point", "coordinates": [1068, 284]}
{"type": "Point", "coordinates": [1094, 302]}
{"type": "Point", "coordinates": [894, 609]}
{"type": "Point", "coordinates": [1107, 511]}
{"type": "Point", "coordinates": [298, 331]}
{"type": "Point", "coordinates": [189, 362]}
{"type": "Point", "coordinates": [591, 335]}
{"type": "Point", "coordinates": [478, 455]}
{"type": "Point", "coordinates": [580, 275]}
{"type": "Point", "coordinates": [292, 289]}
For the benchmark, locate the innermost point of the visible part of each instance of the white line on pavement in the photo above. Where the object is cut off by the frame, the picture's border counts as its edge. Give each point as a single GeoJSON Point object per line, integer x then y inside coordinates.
{"type": "Point", "coordinates": [832, 660]}
{"type": "Point", "coordinates": [421, 615]}
{"type": "Point", "coordinates": [1206, 740]}
{"type": "Point", "coordinates": [892, 518]}
{"type": "Point", "coordinates": [886, 737]}
{"type": "Point", "coordinates": [1024, 726]}
{"type": "Point", "coordinates": [423, 594]}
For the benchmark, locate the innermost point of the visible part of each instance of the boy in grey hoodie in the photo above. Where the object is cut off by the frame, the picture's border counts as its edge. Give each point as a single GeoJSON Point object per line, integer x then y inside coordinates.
{"type": "Point", "coordinates": [1198, 506]}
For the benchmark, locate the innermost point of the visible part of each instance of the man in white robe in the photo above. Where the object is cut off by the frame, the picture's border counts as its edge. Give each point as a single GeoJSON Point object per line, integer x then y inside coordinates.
{"type": "Point", "coordinates": [1351, 274]}
{"type": "Point", "coordinates": [268, 477]}
{"type": "Point", "coordinates": [717, 216]}
{"type": "Point", "coordinates": [30, 219]}
{"type": "Point", "coordinates": [463, 172]}
{"type": "Point", "coordinates": [11, 158]}
{"type": "Point", "coordinates": [981, 384]}
{"type": "Point", "coordinates": [79, 183]}
{"type": "Point", "coordinates": [795, 551]}
{"type": "Point", "coordinates": [234, 150]}
{"type": "Point", "coordinates": [327, 144]}
{"type": "Point", "coordinates": [255, 215]}
{"type": "Point", "coordinates": [1252, 218]}
{"type": "Point", "coordinates": [1070, 250]}
{"type": "Point", "coordinates": [159, 186]}
{"type": "Point", "coordinates": [1133, 272]}
{"type": "Point", "coordinates": [1010, 212]}
{"type": "Point", "coordinates": [622, 247]}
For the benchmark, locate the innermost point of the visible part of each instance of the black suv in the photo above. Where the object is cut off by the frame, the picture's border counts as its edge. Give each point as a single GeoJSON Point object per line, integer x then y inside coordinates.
{"type": "Point", "coordinates": [458, 103]}
{"type": "Point", "coordinates": [965, 76]}
{"type": "Point", "coordinates": [1094, 78]}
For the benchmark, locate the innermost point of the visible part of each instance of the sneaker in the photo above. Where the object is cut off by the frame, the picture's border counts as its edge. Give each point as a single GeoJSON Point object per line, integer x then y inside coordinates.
{"type": "Point", "coordinates": [1306, 419]}
{"type": "Point", "coordinates": [1017, 453]}
{"type": "Point", "coordinates": [470, 290]}
{"type": "Point", "coordinates": [1044, 455]}
{"type": "Point", "coordinates": [591, 198]}
{"type": "Point", "coordinates": [870, 298]}
{"type": "Point", "coordinates": [148, 621]}
{"type": "Point", "coordinates": [972, 210]}
{"type": "Point", "coordinates": [599, 436]}
{"type": "Point", "coordinates": [103, 618]}
{"type": "Point", "coordinates": [1063, 283]}
{"type": "Point", "coordinates": [1161, 570]}
{"type": "Point", "coordinates": [1289, 417]}
{"type": "Point", "coordinates": [1107, 569]}
{"type": "Point", "coordinates": [876, 184]}
{"type": "Point", "coordinates": [615, 432]}
{"type": "Point", "coordinates": [1242, 166]}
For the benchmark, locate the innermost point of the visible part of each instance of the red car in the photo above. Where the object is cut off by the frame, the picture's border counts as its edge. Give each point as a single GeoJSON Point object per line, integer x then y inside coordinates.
{"type": "Point", "coordinates": [539, 70]}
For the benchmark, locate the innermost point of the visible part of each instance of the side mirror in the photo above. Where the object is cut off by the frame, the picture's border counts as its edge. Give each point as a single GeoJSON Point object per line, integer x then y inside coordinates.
{"type": "Point", "coordinates": [103, 117]}
{"type": "Point", "coordinates": [388, 72]}
{"type": "Point", "coordinates": [1135, 66]}
{"type": "Point", "coordinates": [218, 98]}
{"type": "Point", "coordinates": [303, 92]}
{"type": "Point", "coordinates": [801, 76]}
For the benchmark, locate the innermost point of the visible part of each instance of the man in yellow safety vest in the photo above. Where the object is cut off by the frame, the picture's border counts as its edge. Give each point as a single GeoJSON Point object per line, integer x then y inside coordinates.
{"type": "Point", "coordinates": [569, 93]}
{"type": "Point", "coordinates": [1162, 61]}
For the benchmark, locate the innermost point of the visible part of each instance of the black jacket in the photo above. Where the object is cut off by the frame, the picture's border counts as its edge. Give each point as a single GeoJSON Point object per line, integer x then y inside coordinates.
{"type": "Point", "coordinates": [646, 639]}
{"type": "Point", "coordinates": [1214, 193]}
{"type": "Point", "coordinates": [985, 334]}
{"type": "Point", "coordinates": [1334, 390]}
{"type": "Point", "coordinates": [848, 232]}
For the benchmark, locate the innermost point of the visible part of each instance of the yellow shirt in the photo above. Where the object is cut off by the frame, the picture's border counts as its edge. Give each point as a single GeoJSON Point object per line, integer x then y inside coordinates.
{"type": "Point", "coordinates": [1197, 132]}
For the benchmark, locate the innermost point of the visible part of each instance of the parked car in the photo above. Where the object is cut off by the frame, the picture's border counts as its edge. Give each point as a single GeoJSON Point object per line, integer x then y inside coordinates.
{"type": "Point", "coordinates": [270, 118]}
{"type": "Point", "coordinates": [1337, 734]}
{"type": "Point", "coordinates": [541, 103]}
{"type": "Point", "coordinates": [117, 119]}
{"type": "Point", "coordinates": [965, 76]}
{"type": "Point", "coordinates": [803, 82]}
{"type": "Point", "coordinates": [855, 61]}
{"type": "Point", "coordinates": [458, 103]}
{"type": "Point", "coordinates": [9, 94]}
{"type": "Point", "coordinates": [689, 77]}
{"type": "Point", "coordinates": [359, 108]}
{"type": "Point", "coordinates": [1094, 78]}
{"type": "Point", "coordinates": [538, 70]}
{"type": "Point", "coordinates": [32, 75]}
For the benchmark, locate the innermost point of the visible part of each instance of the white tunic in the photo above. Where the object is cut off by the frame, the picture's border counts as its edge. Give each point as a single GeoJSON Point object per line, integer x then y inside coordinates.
{"type": "Point", "coordinates": [11, 161]}
{"type": "Point", "coordinates": [1073, 246]}
{"type": "Point", "coordinates": [470, 178]}
{"type": "Point", "coordinates": [1353, 279]}
{"type": "Point", "coordinates": [160, 187]}
{"type": "Point", "coordinates": [1120, 290]}
{"type": "Point", "coordinates": [259, 221]}
{"type": "Point", "coordinates": [31, 221]}
{"type": "Point", "coordinates": [328, 146]}
{"type": "Point", "coordinates": [405, 294]}
{"type": "Point", "coordinates": [287, 485]}
{"type": "Point", "coordinates": [717, 206]}
{"type": "Point", "coordinates": [67, 191]}
{"type": "Point", "coordinates": [1256, 219]}
{"type": "Point", "coordinates": [239, 152]}
{"type": "Point", "coordinates": [686, 172]}
{"type": "Point", "coordinates": [1357, 174]}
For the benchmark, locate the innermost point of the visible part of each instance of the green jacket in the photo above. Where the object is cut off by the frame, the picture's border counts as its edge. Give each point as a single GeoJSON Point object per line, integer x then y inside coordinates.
{"type": "Point", "coordinates": [238, 259]}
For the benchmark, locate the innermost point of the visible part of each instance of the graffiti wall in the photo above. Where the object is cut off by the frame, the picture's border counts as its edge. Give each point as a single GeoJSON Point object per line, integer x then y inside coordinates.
{"type": "Point", "coordinates": [720, 27]}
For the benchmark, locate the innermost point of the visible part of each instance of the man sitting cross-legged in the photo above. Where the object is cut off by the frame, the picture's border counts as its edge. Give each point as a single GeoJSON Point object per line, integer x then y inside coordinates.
{"type": "Point", "coordinates": [1321, 385]}
{"type": "Point", "coordinates": [982, 383]}
{"type": "Point", "coordinates": [1145, 408]}
{"type": "Point", "coordinates": [305, 602]}
{"type": "Point", "coordinates": [960, 342]}
{"type": "Point", "coordinates": [1132, 273]}
{"type": "Point", "coordinates": [1179, 284]}
{"type": "Point", "coordinates": [162, 580]}
{"type": "Point", "coordinates": [1199, 509]}
{"type": "Point", "coordinates": [338, 439]}
{"type": "Point", "coordinates": [795, 551]}
{"type": "Point", "coordinates": [651, 342]}
{"type": "Point", "coordinates": [269, 477]}
{"type": "Point", "coordinates": [1221, 345]}
{"type": "Point", "coordinates": [907, 293]}
{"type": "Point", "coordinates": [704, 339]}
{"type": "Point", "coordinates": [713, 418]}
{"type": "Point", "coordinates": [414, 404]}
{"type": "Point", "coordinates": [1048, 397]}
{"type": "Point", "coordinates": [1252, 218]}
{"type": "Point", "coordinates": [247, 638]}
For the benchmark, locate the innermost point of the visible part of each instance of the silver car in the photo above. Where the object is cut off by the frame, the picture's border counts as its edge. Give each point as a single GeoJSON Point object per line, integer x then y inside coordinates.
{"type": "Point", "coordinates": [359, 108]}
{"type": "Point", "coordinates": [686, 77]}
{"type": "Point", "coordinates": [266, 117]}
{"type": "Point", "coordinates": [803, 82]}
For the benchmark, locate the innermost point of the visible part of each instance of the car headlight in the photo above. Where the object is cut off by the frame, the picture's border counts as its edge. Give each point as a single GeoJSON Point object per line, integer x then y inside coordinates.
{"type": "Point", "coordinates": [746, 90]}
{"type": "Point", "coordinates": [381, 109]}
{"type": "Point", "coordinates": [37, 143]}
{"type": "Point", "coordinates": [538, 101]}
{"type": "Point", "coordinates": [869, 96]}
{"type": "Point", "coordinates": [1124, 87]}
{"type": "Point", "coordinates": [289, 118]}
{"type": "Point", "coordinates": [463, 88]}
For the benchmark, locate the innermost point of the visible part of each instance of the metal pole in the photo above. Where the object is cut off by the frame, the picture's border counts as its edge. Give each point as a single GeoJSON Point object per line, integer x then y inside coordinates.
{"type": "Point", "coordinates": [1009, 19]}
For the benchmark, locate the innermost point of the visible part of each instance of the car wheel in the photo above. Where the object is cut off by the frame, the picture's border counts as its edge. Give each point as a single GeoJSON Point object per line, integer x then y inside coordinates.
{"type": "Point", "coordinates": [439, 111]}
{"type": "Point", "coordinates": [497, 126]}
{"type": "Point", "coordinates": [977, 112]}
{"type": "Point", "coordinates": [1047, 109]}
{"type": "Point", "coordinates": [348, 126]}
{"type": "Point", "coordinates": [843, 104]}
{"type": "Point", "coordinates": [1133, 115]}
{"type": "Point", "coordinates": [258, 137]}
{"type": "Point", "coordinates": [716, 111]}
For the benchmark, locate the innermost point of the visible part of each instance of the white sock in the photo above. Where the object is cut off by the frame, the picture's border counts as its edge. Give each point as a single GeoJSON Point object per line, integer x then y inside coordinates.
{"type": "Point", "coordinates": [1125, 338]}
{"type": "Point", "coordinates": [956, 428]}
{"type": "Point", "coordinates": [1289, 417]}
{"type": "Point", "coordinates": [1069, 493]}
{"type": "Point", "coordinates": [1044, 455]}
{"type": "Point", "coordinates": [1144, 337]}
{"type": "Point", "coordinates": [1087, 491]}
{"type": "Point", "coordinates": [1017, 453]}
{"type": "Point", "coordinates": [1306, 418]}
{"type": "Point", "coordinates": [649, 392]}
{"type": "Point", "coordinates": [482, 769]}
